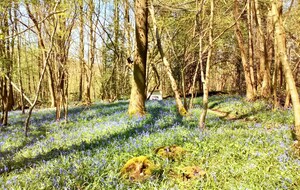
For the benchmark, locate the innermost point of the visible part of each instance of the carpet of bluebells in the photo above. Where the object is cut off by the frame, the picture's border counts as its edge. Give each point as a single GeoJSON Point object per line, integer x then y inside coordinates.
{"type": "Point", "coordinates": [89, 151]}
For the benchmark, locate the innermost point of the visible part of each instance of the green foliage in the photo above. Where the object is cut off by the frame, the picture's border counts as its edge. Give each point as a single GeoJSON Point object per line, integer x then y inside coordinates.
{"type": "Point", "coordinates": [90, 151]}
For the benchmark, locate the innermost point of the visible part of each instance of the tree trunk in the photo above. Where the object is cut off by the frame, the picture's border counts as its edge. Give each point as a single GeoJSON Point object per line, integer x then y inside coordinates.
{"type": "Point", "coordinates": [45, 55]}
{"type": "Point", "coordinates": [250, 45]}
{"type": "Point", "coordinates": [22, 103]}
{"type": "Point", "coordinates": [263, 56]}
{"type": "Point", "coordinates": [250, 93]}
{"type": "Point", "coordinates": [117, 60]}
{"type": "Point", "coordinates": [138, 94]}
{"type": "Point", "coordinates": [207, 74]}
{"type": "Point", "coordinates": [81, 50]}
{"type": "Point", "coordinates": [182, 111]}
{"type": "Point", "coordinates": [280, 36]}
{"type": "Point", "coordinates": [89, 66]}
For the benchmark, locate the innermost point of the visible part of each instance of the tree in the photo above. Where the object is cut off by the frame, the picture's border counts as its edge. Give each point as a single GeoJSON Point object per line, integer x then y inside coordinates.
{"type": "Point", "coordinates": [46, 53]}
{"type": "Point", "coordinates": [205, 78]}
{"type": "Point", "coordinates": [6, 58]}
{"type": "Point", "coordinates": [263, 54]}
{"type": "Point", "coordinates": [81, 48]}
{"type": "Point", "coordinates": [181, 109]}
{"type": "Point", "coordinates": [281, 46]}
{"type": "Point", "coordinates": [89, 66]}
{"type": "Point", "coordinates": [250, 90]}
{"type": "Point", "coordinates": [138, 89]}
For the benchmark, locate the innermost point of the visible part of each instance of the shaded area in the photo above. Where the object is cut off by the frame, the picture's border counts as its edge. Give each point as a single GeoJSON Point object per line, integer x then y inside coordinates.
{"type": "Point", "coordinates": [136, 130]}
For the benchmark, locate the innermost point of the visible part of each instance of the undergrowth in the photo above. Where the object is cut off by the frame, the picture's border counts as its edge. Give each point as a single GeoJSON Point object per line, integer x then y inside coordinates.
{"type": "Point", "coordinates": [90, 150]}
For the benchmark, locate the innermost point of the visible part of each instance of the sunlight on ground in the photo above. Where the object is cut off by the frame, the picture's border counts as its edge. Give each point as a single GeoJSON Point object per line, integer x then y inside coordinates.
{"type": "Point", "coordinates": [90, 151]}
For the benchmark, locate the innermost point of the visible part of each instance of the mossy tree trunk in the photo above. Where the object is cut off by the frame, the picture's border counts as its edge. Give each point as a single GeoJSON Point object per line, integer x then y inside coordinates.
{"type": "Point", "coordinates": [138, 89]}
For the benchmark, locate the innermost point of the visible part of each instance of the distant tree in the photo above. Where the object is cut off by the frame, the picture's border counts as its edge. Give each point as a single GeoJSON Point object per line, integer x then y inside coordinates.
{"type": "Point", "coordinates": [81, 49]}
{"type": "Point", "coordinates": [89, 66]}
{"type": "Point", "coordinates": [7, 51]}
{"type": "Point", "coordinates": [138, 89]}
{"type": "Point", "coordinates": [66, 21]}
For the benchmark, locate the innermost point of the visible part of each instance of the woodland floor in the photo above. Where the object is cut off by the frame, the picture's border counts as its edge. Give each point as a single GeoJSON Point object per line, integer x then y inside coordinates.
{"type": "Point", "coordinates": [246, 145]}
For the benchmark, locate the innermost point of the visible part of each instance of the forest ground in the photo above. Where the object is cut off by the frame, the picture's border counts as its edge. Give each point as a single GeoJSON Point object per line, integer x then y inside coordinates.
{"type": "Point", "coordinates": [246, 145]}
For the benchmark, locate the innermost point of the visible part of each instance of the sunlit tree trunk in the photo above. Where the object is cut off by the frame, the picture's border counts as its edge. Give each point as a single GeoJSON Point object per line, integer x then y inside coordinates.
{"type": "Point", "coordinates": [45, 57]}
{"type": "Point", "coordinates": [206, 79]}
{"type": "Point", "coordinates": [117, 59]}
{"type": "Point", "coordinates": [89, 66]}
{"type": "Point", "coordinates": [263, 55]}
{"type": "Point", "coordinates": [250, 45]}
{"type": "Point", "coordinates": [16, 9]}
{"type": "Point", "coordinates": [181, 109]}
{"type": "Point", "coordinates": [280, 36]}
{"type": "Point", "coordinates": [138, 89]}
{"type": "Point", "coordinates": [199, 27]}
{"type": "Point", "coordinates": [250, 93]}
{"type": "Point", "coordinates": [128, 44]}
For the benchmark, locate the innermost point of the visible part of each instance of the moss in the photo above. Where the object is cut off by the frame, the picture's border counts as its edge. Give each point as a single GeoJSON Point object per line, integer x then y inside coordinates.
{"type": "Point", "coordinates": [171, 152]}
{"type": "Point", "coordinates": [137, 168]}
{"type": "Point", "coordinates": [182, 111]}
{"type": "Point", "coordinates": [190, 173]}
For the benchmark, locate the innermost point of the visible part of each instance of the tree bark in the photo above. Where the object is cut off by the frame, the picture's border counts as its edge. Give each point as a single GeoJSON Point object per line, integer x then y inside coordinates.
{"type": "Point", "coordinates": [280, 36]}
{"type": "Point", "coordinates": [138, 94]}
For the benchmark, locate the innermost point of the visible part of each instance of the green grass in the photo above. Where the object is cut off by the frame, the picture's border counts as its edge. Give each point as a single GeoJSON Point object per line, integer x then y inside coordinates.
{"type": "Point", "coordinates": [89, 151]}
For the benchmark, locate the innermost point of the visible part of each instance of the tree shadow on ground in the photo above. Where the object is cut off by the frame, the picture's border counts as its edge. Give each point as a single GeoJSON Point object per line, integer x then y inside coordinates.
{"type": "Point", "coordinates": [41, 121]}
{"type": "Point", "coordinates": [100, 142]}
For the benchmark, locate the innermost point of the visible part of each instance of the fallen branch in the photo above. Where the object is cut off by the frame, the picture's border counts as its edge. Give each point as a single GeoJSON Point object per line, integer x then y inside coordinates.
{"type": "Point", "coordinates": [16, 87]}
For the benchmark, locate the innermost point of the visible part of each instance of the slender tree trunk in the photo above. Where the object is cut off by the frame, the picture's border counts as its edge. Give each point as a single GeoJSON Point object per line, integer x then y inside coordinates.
{"type": "Point", "coordinates": [199, 26]}
{"type": "Point", "coordinates": [263, 55]}
{"type": "Point", "coordinates": [5, 55]}
{"type": "Point", "coordinates": [16, 8]}
{"type": "Point", "coordinates": [117, 59]}
{"type": "Point", "coordinates": [81, 50]}
{"type": "Point", "coordinates": [128, 45]}
{"type": "Point", "coordinates": [250, 93]}
{"type": "Point", "coordinates": [280, 36]}
{"type": "Point", "coordinates": [138, 89]}
{"type": "Point", "coordinates": [46, 55]}
{"type": "Point", "coordinates": [181, 109]}
{"type": "Point", "coordinates": [207, 74]}
{"type": "Point", "coordinates": [89, 66]}
{"type": "Point", "coordinates": [250, 45]}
